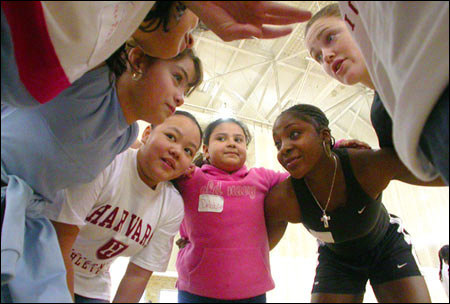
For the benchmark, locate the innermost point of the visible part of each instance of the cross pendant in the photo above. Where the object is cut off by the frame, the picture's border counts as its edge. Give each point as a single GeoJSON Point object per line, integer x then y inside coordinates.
{"type": "Point", "coordinates": [325, 219]}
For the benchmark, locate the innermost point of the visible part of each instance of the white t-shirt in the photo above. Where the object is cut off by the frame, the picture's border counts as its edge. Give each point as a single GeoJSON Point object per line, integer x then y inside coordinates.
{"type": "Point", "coordinates": [95, 29]}
{"type": "Point", "coordinates": [118, 215]}
{"type": "Point", "coordinates": [406, 48]}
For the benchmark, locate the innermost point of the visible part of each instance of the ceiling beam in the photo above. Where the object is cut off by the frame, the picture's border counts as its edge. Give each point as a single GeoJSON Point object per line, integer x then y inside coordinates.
{"type": "Point", "coordinates": [232, 47]}
{"type": "Point", "coordinates": [286, 94]}
{"type": "Point", "coordinates": [354, 119]}
{"type": "Point", "coordinates": [199, 109]}
{"type": "Point", "coordinates": [227, 69]}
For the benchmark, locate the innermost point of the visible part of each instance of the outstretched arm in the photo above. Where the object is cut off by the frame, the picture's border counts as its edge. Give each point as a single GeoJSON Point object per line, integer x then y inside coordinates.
{"type": "Point", "coordinates": [280, 207]}
{"type": "Point", "coordinates": [133, 284]}
{"type": "Point", "coordinates": [375, 169]}
{"type": "Point", "coordinates": [233, 20]}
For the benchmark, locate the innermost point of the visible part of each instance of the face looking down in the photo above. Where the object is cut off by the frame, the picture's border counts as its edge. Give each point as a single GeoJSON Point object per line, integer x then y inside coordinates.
{"type": "Point", "coordinates": [161, 88]}
{"type": "Point", "coordinates": [331, 45]}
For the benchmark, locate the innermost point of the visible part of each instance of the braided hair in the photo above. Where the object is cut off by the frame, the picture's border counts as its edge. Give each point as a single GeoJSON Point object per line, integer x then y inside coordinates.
{"type": "Point", "coordinates": [312, 115]}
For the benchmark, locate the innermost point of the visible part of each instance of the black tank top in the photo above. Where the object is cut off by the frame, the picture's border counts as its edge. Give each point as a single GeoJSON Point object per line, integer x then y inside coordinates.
{"type": "Point", "coordinates": [354, 228]}
{"type": "Point", "coordinates": [381, 122]}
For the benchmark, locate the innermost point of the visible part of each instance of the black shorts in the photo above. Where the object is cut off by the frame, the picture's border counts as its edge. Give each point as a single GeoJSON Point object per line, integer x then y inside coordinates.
{"type": "Point", "coordinates": [392, 259]}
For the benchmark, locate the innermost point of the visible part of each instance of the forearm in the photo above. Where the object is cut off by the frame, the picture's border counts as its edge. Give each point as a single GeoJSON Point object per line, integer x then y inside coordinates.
{"type": "Point", "coordinates": [70, 277]}
{"type": "Point", "coordinates": [130, 292]}
{"type": "Point", "coordinates": [133, 285]}
{"type": "Point", "coordinates": [66, 237]}
{"type": "Point", "coordinates": [407, 177]}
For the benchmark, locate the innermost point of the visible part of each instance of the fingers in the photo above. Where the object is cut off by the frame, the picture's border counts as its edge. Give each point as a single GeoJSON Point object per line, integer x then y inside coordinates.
{"type": "Point", "coordinates": [240, 31]}
{"type": "Point", "coordinates": [272, 32]}
{"type": "Point", "coordinates": [277, 20]}
{"type": "Point", "coordinates": [246, 31]}
{"type": "Point", "coordinates": [276, 11]}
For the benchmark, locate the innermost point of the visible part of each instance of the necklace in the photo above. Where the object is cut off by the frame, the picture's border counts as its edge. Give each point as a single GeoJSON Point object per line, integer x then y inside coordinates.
{"type": "Point", "coordinates": [325, 218]}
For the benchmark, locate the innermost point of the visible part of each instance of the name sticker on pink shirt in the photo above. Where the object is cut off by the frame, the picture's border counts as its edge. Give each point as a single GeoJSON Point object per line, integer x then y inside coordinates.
{"type": "Point", "coordinates": [210, 203]}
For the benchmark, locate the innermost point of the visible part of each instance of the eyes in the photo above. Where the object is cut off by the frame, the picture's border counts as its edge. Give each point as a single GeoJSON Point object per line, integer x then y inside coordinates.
{"type": "Point", "coordinates": [292, 136]}
{"type": "Point", "coordinates": [238, 139]}
{"type": "Point", "coordinates": [173, 138]}
{"type": "Point", "coordinates": [329, 38]}
{"type": "Point", "coordinates": [179, 81]}
{"type": "Point", "coordinates": [178, 77]}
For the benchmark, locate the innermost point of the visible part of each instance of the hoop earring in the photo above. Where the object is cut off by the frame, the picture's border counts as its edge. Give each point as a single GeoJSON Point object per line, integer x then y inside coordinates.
{"type": "Point", "coordinates": [326, 149]}
{"type": "Point", "coordinates": [136, 75]}
{"type": "Point", "coordinates": [333, 142]}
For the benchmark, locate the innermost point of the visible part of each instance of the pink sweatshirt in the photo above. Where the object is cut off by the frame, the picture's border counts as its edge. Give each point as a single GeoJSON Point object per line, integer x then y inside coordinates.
{"type": "Point", "coordinates": [228, 252]}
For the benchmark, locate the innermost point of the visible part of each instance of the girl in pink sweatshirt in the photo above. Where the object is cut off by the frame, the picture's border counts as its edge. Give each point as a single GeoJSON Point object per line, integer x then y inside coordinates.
{"type": "Point", "coordinates": [226, 258]}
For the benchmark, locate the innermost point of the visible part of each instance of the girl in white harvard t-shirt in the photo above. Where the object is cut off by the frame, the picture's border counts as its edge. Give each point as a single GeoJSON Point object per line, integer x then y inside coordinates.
{"type": "Point", "coordinates": [131, 209]}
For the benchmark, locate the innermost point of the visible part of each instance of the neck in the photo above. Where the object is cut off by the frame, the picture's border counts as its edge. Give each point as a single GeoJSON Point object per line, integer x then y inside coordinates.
{"type": "Point", "coordinates": [367, 81]}
{"type": "Point", "coordinates": [323, 171]}
{"type": "Point", "coordinates": [123, 85]}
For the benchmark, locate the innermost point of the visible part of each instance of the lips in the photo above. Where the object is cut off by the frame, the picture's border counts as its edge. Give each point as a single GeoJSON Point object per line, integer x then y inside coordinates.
{"type": "Point", "coordinates": [291, 162]}
{"type": "Point", "coordinates": [170, 162]}
{"type": "Point", "coordinates": [336, 67]}
{"type": "Point", "coordinates": [231, 153]}
{"type": "Point", "coordinates": [171, 108]}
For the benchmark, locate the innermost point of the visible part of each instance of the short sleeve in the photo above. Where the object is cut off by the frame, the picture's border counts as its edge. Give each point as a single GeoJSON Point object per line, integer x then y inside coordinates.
{"type": "Point", "coordinates": [155, 257]}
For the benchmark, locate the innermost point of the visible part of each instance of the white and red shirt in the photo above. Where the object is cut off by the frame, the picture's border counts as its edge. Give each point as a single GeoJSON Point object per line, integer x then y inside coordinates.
{"type": "Point", "coordinates": [405, 45]}
{"type": "Point", "coordinates": [119, 215]}
{"type": "Point", "coordinates": [53, 43]}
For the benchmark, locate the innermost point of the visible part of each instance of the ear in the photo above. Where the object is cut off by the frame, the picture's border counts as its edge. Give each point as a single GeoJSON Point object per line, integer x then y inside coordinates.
{"type": "Point", "coordinates": [205, 152]}
{"type": "Point", "coordinates": [325, 134]}
{"type": "Point", "coordinates": [146, 134]}
{"type": "Point", "coordinates": [136, 58]}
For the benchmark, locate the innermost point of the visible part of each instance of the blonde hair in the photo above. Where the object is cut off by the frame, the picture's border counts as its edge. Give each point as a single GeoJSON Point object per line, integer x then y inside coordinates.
{"type": "Point", "coordinates": [331, 10]}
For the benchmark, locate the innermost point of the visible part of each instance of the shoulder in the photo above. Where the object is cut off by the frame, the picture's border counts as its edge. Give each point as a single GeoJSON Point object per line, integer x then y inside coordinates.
{"type": "Point", "coordinates": [269, 174]}
{"type": "Point", "coordinates": [172, 201]}
{"type": "Point", "coordinates": [374, 169]}
{"type": "Point", "coordinates": [171, 194]}
{"type": "Point", "coordinates": [281, 202]}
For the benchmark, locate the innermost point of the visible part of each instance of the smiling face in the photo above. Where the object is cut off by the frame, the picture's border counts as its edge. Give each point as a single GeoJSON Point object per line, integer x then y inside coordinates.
{"type": "Point", "coordinates": [330, 44]}
{"type": "Point", "coordinates": [298, 143]}
{"type": "Point", "coordinates": [227, 149]}
{"type": "Point", "coordinates": [168, 150]}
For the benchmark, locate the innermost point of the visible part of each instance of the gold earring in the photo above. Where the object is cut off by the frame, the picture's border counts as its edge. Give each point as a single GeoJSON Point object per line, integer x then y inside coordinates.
{"type": "Point", "coordinates": [326, 149]}
{"type": "Point", "coordinates": [136, 75]}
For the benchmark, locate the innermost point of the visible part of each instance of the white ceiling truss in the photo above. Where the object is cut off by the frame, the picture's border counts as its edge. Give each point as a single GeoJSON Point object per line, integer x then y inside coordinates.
{"type": "Point", "coordinates": [257, 79]}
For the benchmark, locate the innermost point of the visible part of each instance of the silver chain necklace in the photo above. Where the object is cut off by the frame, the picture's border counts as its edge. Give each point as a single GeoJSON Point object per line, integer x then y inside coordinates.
{"type": "Point", "coordinates": [325, 218]}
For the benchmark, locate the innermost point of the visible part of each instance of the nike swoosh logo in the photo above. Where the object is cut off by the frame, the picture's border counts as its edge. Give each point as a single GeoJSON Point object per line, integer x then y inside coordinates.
{"type": "Point", "coordinates": [401, 266]}
{"type": "Point", "coordinates": [362, 210]}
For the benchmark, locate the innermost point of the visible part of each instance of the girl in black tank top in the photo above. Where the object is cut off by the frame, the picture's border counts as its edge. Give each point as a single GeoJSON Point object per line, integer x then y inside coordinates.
{"type": "Point", "coordinates": [360, 211]}
{"type": "Point", "coordinates": [336, 194]}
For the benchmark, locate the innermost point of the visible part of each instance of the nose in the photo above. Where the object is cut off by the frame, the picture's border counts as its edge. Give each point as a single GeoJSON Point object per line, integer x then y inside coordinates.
{"type": "Point", "coordinates": [179, 99]}
{"type": "Point", "coordinates": [285, 149]}
{"type": "Point", "coordinates": [231, 143]}
{"type": "Point", "coordinates": [189, 41]}
{"type": "Point", "coordinates": [328, 56]}
{"type": "Point", "coordinates": [175, 152]}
